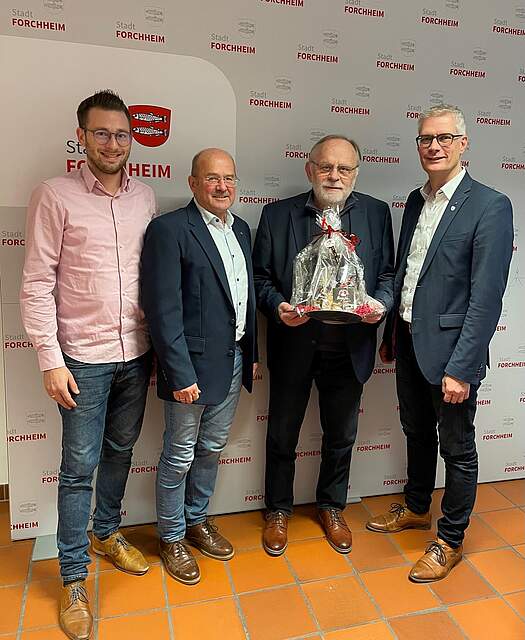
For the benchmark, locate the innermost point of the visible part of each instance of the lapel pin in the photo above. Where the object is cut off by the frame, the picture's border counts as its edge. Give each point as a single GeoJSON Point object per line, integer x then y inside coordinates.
{"type": "Point", "coordinates": [452, 208]}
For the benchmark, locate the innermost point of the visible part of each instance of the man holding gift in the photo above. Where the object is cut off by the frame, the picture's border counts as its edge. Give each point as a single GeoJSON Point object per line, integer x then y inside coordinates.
{"type": "Point", "coordinates": [452, 265]}
{"type": "Point", "coordinates": [339, 358]}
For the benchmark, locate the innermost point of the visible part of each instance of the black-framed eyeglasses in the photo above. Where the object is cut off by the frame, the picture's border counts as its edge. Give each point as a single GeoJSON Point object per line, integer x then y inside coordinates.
{"type": "Point", "coordinates": [325, 169]}
{"type": "Point", "coordinates": [443, 139]}
{"type": "Point", "coordinates": [229, 181]}
{"type": "Point", "coordinates": [103, 136]}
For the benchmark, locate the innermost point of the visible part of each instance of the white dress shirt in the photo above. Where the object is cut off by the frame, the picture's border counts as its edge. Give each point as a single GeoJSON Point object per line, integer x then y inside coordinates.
{"type": "Point", "coordinates": [234, 264]}
{"type": "Point", "coordinates": [431, 214]}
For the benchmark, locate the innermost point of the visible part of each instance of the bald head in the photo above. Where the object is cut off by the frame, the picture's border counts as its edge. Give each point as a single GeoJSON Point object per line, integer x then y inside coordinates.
{"type": "Point", "coordinates": [212, 181]}
{"type": "Point", "coordinates": [205, 155]}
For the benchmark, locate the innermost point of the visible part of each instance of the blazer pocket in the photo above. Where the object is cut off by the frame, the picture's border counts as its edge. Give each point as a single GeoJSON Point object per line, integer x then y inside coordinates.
{"type": "Point", "coordinates": [195, 344]}
{"type": "Point", "coordinates": [451, 320]}
{"type": "Point", "coordinates": [455, 237]}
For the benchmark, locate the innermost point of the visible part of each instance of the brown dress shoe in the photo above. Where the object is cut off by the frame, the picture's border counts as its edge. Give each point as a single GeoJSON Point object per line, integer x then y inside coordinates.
{"type": "Point", "coordinates": [206, 538]}
{"type": "Point", "coordinates": [399, 518]}
{"type": "Point", "coordinates": [275, 532]}
{"type": "Point", "coordinates": [179, 562]}
{"type": "Point", "coordinates": [75, 616]}
{"type": "Point", "coordinates": [337, 531]}
{"type": "Point", "coordinates": [437, 562]}
{"type": "Point", "coordinates": [121, 553]}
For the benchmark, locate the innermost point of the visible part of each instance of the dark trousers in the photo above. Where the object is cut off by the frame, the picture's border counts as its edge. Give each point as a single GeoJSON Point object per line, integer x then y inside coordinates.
{"type": "Point", "coordinates": [421, 410]}
{"type": "Point", "coordinates": [339, 397]}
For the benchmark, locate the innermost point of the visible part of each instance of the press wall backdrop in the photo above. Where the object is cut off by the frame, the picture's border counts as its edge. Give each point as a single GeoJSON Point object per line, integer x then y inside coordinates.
{"type": "Point", "coordinates": [263, 79]}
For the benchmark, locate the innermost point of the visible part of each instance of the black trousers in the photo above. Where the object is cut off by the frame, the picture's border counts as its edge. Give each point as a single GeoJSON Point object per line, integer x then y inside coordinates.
{"type": "Point", "coordinates": [339, 398]}
{"type": "Point", "coordinates": [424, 416]}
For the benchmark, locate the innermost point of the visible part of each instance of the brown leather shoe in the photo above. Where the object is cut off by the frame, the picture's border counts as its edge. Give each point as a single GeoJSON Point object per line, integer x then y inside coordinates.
{"type": "Point", "coordinates": [75, 616]}
{"type": "Point", "coordinates": [439, 559]}
{"type": "Point", "coordinates": [337, 531]}
{"type": "Point", "coordinates": [121, 553]}
{"type": "Point", "coordinates": [179, 562]}
{"type": "Point", "coordinates": [206, 538]}
{"type": "Point", "coordinates": [399, 518]}
{"type": "Point", "coordinates": [275, 532]}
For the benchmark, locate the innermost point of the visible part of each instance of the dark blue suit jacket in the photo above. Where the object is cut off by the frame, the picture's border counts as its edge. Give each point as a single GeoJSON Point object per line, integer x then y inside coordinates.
{"type": "Point", "coordinates": [186, 298]}
{"type": "Point", "coordinates": [458, 298]}
{"type": "Point", "coordinates": [284, 229]}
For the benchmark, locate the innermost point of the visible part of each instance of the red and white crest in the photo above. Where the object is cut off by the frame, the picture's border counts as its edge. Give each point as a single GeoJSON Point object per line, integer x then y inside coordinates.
{"type": "Point", "coordinates": [150, 125]}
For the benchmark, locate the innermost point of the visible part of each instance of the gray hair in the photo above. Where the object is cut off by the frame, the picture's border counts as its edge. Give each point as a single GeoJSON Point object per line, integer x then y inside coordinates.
{"type": "Point", "coordinates": [336, 136]}
{"type": "Point", "coordinates": [443, 110]}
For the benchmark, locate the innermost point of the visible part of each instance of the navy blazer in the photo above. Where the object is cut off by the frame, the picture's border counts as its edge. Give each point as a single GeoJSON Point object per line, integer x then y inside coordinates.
{"type": "Point", "coordinates": [186, 298]}
{"type": "Point", "coordinates": [284, 230]}
{"type": "Point", "coordinates": [458, 297]}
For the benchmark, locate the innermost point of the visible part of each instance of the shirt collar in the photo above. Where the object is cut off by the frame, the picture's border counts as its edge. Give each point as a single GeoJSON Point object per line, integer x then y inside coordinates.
{"type": "Point", "coordinates": [91, 180]}
{"type": "Point", "coordinates": [447, 189]}
{"type": "Point", "coordinates": [211, 218]}
{"type": "Point", "coordinates": [350, 201]}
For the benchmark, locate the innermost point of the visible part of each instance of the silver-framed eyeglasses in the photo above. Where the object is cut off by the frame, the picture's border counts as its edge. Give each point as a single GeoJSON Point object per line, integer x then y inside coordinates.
{"type": "Point", "coordinates": [325, 169]}
{"type": "Point", "coordinates": [443, 139]}
{"type": "Point", "coordinates": [214, 179]}
{"type": "Point", "coordinates": [103, 136]}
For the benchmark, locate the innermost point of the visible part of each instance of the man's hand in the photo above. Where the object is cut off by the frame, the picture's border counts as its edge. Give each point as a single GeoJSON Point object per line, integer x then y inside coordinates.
{"type": "Point", "coordinates": [187, 395]}
{"type": "Point", "coordinates": [58, 384]}
{"type": "Point", "coordinates": [372, 318]}
{"type": "Point", "coordinates": [454, 390]}
{"type": "Point", "coordinates": [375, 316]}
{"type": "Point", "coordinates": [289, 315]}
{"type": "Point", "coordinates": [254, 372]}
{"type": "Point", "coordinates": [385, 353]}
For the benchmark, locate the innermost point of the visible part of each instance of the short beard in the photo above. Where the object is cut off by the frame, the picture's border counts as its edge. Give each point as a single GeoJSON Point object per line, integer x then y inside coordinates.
{"type": "Point", "coordinates": [325, 202]}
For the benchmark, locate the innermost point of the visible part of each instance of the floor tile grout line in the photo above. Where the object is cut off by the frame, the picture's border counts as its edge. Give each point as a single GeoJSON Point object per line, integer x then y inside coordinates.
{"type": "Point", "coordinates": [494, 484]}
{"type": "Point", "coordinates": [237, 601]}
{"type": "Point", "coordinates": [478, 572]}
{"type": "Point", "coordinates": [487, 524]}
{"type": "Point", "coordinates": [305, 598]}
{"type": "Point", "coordinates": [456, 624]}
{"type": "Point", "coordinates": [520, 615]}
{"type": "Point", "coordinates": [167, 601]}
{"type": "Point", "coordinates": [24, 595]}
{"type": "Point", "coordinates": [374, 602]}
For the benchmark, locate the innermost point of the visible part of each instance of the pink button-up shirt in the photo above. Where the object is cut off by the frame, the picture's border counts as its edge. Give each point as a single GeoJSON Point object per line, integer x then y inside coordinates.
{"type": "Point", "coordinates": [80, 286]}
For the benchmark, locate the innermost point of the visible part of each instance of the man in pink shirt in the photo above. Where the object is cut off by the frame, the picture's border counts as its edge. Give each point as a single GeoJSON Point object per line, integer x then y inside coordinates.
{"type": "Point", "coordinates": [80, 307]}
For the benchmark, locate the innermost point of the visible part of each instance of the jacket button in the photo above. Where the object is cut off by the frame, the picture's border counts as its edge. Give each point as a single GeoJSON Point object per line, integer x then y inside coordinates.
{"type": "Point", "coordinates": [231, 352]}
{"type": "Point", "coordinates": [232, 321]}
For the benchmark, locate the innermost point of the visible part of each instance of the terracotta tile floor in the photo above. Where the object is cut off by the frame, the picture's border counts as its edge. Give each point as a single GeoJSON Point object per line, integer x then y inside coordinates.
{"type": "Point", "coordinates": [311, 592]}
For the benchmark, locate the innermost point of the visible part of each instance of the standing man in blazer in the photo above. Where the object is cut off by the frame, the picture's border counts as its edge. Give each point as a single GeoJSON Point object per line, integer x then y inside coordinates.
{"type": "Point", "coordinates": [338, 358]}
{"type": "Point", "coordinates": [197, 293]}
{"type": "Point", "coordinates": [452, 265]}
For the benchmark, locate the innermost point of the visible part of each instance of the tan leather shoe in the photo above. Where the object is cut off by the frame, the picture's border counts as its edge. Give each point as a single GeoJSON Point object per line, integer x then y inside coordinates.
{"type": "Point", "coordinates": [75, 616]}
{"type": "Point", "coordinates": [179, 562]}
{"type": "Point", "coordinates": [206, 538]}
{"type": "Point", "coordinates": [121, 553]}
{"type": "Point", "coordinates": [399, 518]}
{"type": "Point", "coordinates": [275, 532]}
{"type": "Point", "coordinates": [337, 531]}
{"type": "Point", "coordinates": [439, 559]}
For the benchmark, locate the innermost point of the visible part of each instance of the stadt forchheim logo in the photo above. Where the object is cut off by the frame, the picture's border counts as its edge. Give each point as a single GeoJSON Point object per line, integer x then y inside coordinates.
{"type": "Point", "coordinates": [150, 124]}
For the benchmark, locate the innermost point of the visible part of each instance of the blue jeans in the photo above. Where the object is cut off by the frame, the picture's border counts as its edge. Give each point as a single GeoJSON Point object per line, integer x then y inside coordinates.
{"type": "Point", "coordinates": [100, 431]}
{"type": "Point", "coordinates": [194, 437]}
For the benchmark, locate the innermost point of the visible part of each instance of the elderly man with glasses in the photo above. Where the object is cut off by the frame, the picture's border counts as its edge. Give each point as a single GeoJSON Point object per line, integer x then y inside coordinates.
{"type": "Point", "coordinates": [80, 307]}
{"type": "Point", "coordinates": [453, 258]}
{"type": "Point", "coordinates": [339, 358]}
{"type": "Point", "coordinates": [198, 296]}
